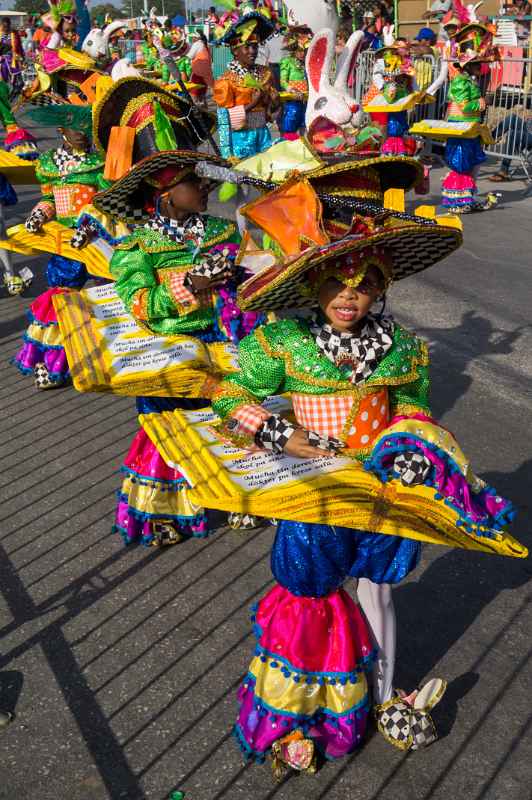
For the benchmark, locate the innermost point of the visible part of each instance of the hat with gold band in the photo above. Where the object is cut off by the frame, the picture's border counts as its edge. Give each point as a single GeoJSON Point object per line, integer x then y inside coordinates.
{"type": "Point", "coordinates": [398, 249]}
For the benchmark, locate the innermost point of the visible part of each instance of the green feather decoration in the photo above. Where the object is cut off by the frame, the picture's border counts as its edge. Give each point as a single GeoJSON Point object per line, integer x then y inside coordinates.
{"type": "Point", "coordinates": [63, 115]}
{"type": "Point", "coordinates": [164, 133]}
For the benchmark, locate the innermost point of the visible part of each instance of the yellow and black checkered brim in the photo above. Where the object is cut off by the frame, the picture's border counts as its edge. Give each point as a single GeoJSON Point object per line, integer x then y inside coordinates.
{"type": "Point", "coordinates": [413, 248]}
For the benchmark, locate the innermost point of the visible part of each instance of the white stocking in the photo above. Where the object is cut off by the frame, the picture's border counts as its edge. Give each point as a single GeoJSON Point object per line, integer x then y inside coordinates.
{"type": "Point", "coordinates": [376, 602]}
{"type": "Point", "coordinates": [6, 256]}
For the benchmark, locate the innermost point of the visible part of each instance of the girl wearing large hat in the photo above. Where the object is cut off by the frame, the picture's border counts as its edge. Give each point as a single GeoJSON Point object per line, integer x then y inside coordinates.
{"type": "Point", "coordinates": [245, 93]}
{"type": "Point", "coordinates": [466, 104]}
{"type": "Point", "coordinates": [70, 175]}
{"type": "Point", "coordinates": [351, 373]}
{"type": "Point", "coordinates": [175, 274]}
{"type": "Point", "coordinates": [293, 81]}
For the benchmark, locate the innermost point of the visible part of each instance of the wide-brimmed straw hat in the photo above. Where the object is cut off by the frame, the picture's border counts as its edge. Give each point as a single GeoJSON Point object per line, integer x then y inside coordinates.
{"type": "Point", "coordinates": [409, 248]}
{"type": "Point", "coordinates": [149, 136]}
{"type": "Point", "coordinates": [136, 102]}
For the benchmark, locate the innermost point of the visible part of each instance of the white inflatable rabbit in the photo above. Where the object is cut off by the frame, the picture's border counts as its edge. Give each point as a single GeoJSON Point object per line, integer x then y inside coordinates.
{"type": "Point", "coordinates": [331, 111]}
{"type": "Point", "coordinates": [317, 14]}
{"type": "Point", "coordinates": [96, 42]}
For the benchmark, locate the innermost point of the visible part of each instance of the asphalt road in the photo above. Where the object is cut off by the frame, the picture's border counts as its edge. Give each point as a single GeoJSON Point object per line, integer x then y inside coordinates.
{"type": "Point", "coordinates": [122, 664]}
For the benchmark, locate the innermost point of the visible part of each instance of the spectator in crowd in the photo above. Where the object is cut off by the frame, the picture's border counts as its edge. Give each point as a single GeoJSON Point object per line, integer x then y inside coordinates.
{"type": "Point", "coordinates": [426, 39]}
{"type": "Point", "coordinates": [212, 17]}
{"type": "Point", "coordinates": [271, 53]}
{"type": "Point", "coordinates": [518, 132]}
{"type": "Point", "coordinates": [388, 11]}
{"type": "Point", "coordinates": [371, 37]}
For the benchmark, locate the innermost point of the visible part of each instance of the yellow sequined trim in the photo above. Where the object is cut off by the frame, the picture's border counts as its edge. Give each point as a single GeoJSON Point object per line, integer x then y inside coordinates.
{"type": "Point", "coordinates": [169, 245]}
{"type": "Point", "coordinates": [408, 409]}
{"type": "Point", "coordinates": [230, 389]}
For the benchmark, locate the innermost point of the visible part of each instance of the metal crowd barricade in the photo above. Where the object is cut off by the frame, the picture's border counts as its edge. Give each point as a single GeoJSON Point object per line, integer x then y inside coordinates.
{"type": "Point", "coordinates": [221, 56]}
{"type": "Point", "coordinates": [509, 112]}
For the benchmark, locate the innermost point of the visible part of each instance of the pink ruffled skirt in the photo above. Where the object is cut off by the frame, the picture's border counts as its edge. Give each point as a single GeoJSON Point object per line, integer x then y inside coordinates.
{"type": "Point", "coordinates": [42, 340]}
{"type": "Point", "coordinates": [152, 491]}
{"type": "Point", "coordinates": [308, 673]}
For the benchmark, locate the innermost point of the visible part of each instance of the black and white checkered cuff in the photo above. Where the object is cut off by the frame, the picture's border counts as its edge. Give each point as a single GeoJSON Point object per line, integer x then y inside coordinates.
{"type": "Point", "coordinates": [412, 468]}
{"type": "Point", "coordinates": [274, 433]}
{"type": "Point", "coordinates": [213, 264]}
{"type": "Point", "coordinates": [35, 221]}
{"type": "Point", "coordinates": [324, 442]}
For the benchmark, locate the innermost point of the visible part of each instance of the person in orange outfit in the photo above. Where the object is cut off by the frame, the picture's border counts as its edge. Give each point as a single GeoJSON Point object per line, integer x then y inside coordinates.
{"type": "Point", "coordinates": [245, 93]}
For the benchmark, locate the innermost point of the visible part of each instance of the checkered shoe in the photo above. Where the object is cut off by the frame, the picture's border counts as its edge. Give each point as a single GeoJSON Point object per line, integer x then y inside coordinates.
{"type": "Point", "coordinates": [243, 522]}
{"type": "Point", "coordinates": [412, 468]}
{"type": "Point", "coordinates": [42, 378]}
{"type": "Point", "coordinates": [405, 722]}
{"type": "Point", "coordinates": [14, 285]}
{"type": "Point", "coordinates": [164, 534]}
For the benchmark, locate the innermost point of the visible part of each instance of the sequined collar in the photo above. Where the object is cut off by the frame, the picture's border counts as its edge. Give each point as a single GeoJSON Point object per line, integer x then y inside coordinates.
{"type": "Point", "coordinates": [66, 160]}
{"type": "Point", "coordinates": [192, 229]}
{"type": "Point", "coordinates": [362, 351]}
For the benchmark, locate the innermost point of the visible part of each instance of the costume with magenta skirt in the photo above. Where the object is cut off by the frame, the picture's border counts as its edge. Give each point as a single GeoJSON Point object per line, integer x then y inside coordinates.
{"type": "Point", "coordinates": [306, 686]}
{"type": "Point", "coordinates": [42, 341]}
{"type": "Point", "coordinates": [150, 269]}
{"type": "Point", "coordinates": [462, 156]}
{"type": "Point", "coordinates": [310, 561]}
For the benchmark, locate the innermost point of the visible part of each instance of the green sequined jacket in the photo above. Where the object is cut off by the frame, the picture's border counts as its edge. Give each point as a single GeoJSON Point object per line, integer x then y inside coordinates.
{"type": "Point", "coordinates": [283, 357]}
{"type": "Point", "coordinates": [143, 265]}
{"type": "Point", "coordinates": [64, 196]}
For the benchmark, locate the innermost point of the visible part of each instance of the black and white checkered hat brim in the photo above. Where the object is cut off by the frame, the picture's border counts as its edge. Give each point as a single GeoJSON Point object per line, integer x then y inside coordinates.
{"type": "Point", "coordinates": [413, 248]}
{"type": "Point", "coordinates": [124, 201]}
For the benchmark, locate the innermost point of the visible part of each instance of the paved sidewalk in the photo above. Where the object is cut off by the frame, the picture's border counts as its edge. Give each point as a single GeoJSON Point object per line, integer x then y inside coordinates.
{"type": "Point", "coordinates": [122, 664]}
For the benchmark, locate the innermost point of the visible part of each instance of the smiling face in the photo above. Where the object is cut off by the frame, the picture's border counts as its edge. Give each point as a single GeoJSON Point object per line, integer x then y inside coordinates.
{"type": "Point", "coordinates": [246, 54]}
{"type": "Point", "coordinates": [345, 307]}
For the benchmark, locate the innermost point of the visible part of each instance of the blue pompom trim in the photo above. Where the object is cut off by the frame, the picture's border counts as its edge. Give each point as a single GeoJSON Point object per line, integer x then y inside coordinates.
{"type": "Point", "coordinates": [393, 444]}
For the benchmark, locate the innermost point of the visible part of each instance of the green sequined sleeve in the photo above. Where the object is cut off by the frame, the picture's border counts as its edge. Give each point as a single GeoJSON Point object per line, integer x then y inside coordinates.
{"type": "Point", "coordinates": [138, 288]}
{"type": "Point", "coordinates": [260, 376]}
{"type": "Point", "coordinates": [409, 398]}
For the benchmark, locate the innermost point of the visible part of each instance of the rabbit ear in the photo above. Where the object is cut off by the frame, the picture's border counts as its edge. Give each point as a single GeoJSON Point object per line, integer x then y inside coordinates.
{"type": "Point", "coordinates": [348, 59]}
{"type": "Point", "coordinates": [388, 34]}
{"type": "Point", "coordinates": [319, 59]}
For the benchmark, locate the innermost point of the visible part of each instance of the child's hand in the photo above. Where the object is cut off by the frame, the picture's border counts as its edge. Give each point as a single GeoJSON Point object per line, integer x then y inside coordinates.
{"type": "Point", "coordinates": [298, 446]}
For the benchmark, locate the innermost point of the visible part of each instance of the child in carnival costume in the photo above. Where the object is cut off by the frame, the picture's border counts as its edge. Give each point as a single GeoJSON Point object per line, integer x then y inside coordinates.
{"type": "Point", "coordinates": [245, 94]}
{"type": "Point", "coordinates": [293, 80]}
{"type": "Point", "coordinates": [174, 274]}
{"type": "Point", "coordinates": [70, 176]}
{"type": "Point", "coordinates": [42, 354]}
{"type": "Point", "coordinates": [399, 80]}
{"type": "Point", "coordinates": [466, 104]}
{"type": "Point", "coordinates": [21, 143]}
{"type": "Point", "coordinates": [356, 378]}
{"type": "Point", "coordinates": [11, 57]}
